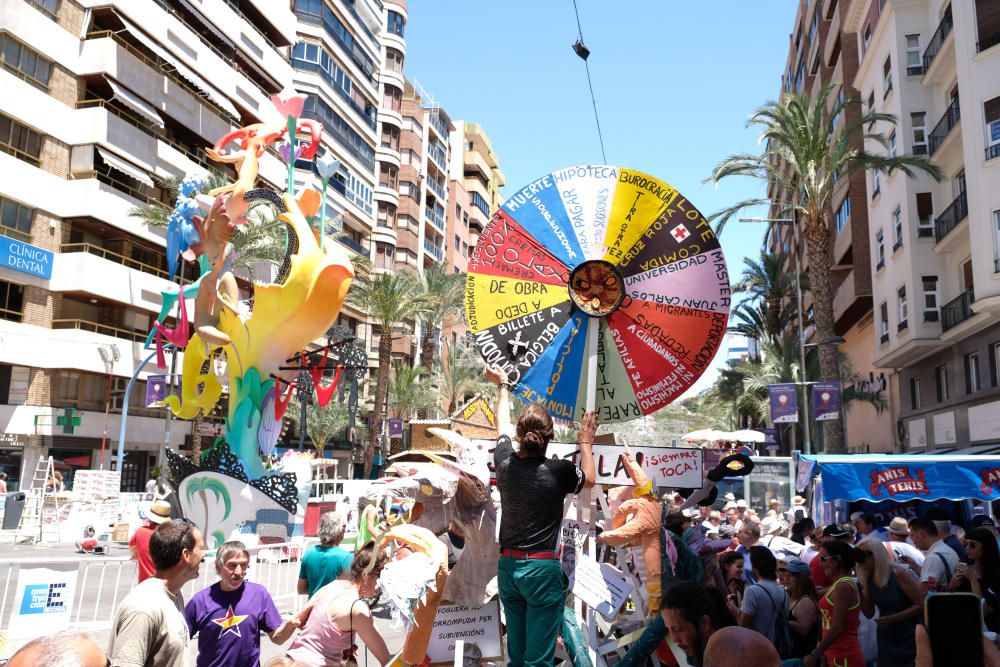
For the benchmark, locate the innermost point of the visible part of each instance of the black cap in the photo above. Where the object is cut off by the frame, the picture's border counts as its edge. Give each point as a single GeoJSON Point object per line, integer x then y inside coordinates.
{"type": "Point", "coordinates": [836, 531]}
{"type": "Point", "coordinates": [982, 520]}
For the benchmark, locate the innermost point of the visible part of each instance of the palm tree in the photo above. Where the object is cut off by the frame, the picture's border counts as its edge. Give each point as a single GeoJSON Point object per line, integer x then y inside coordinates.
{"type": "Point", "coordinates": [389, 299]}
{"type": "Point", "coordinates": [771, 291]}
{"type": "Point", "coordinates": [322, 423]}
{"type": "Point", "coordinates": [460, 375]}
{"type": "Point", "coordinates": [444, 293]}
{"type": "Point", "coordinates": [802, 157]}
{"type": "Point", "coordinates": [407, 393]}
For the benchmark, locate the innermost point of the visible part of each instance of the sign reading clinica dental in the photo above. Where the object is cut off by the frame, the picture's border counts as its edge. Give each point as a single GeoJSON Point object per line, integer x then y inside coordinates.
{"type": "Point", "coordinates": [25, 258]}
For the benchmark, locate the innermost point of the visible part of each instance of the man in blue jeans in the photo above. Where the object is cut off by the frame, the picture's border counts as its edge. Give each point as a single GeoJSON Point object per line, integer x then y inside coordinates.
{"type": "Point", "coordinates": [532, 489]}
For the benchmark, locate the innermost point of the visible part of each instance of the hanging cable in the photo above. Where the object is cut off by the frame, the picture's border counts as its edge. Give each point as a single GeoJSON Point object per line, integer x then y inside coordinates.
{"type": "Point", "coordinates": [581, 50]}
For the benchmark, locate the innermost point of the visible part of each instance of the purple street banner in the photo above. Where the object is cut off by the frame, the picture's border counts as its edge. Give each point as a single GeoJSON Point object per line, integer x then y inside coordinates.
{"type": "Point", "coordinates": [784, 403]}
{"type": "Point", "coordinates": [395, 428]}
{"type": "Point", "coordinates": [826, 401]}
{"type": "Point", "coordinates": [156, 389]}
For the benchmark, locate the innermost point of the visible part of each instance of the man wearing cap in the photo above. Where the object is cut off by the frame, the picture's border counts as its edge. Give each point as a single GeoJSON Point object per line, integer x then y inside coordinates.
{"type": "Point", "coordinates": [741, 509]}
{"type": "Point", "coordinates": [138, 544]}
{"type": "Point", "coordinates": [899, 533]}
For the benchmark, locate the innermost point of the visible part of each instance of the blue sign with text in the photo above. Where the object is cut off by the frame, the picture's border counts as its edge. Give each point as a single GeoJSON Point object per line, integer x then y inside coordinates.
{"type": "Point", "coordinates": [25, 258]}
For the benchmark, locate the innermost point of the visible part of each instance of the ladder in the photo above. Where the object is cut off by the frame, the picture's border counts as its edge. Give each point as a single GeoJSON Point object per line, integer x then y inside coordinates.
{"type": "Point", "coordinates": [40, 503]}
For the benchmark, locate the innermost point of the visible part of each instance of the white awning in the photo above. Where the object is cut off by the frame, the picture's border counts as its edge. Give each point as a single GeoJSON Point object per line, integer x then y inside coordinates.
{"type": "Point", "coordinates": [118, 164]}
{"type": "Point", "coordinates": [134, 102]}
{"type": "Point", "coordinates": [182, 69]}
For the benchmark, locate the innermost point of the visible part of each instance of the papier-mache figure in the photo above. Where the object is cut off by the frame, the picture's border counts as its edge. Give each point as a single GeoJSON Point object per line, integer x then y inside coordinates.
{"type": "Point", "coordinates": [636, 522]}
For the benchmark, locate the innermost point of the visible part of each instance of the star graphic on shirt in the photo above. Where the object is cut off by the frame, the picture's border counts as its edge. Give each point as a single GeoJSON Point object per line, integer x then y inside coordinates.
{"type": "Point", "coordinates": [229, 623]}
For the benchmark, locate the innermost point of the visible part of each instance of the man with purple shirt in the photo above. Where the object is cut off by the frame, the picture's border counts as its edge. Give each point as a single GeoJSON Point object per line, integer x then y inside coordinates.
{"type": "Point", "coordinates": [229, 615]}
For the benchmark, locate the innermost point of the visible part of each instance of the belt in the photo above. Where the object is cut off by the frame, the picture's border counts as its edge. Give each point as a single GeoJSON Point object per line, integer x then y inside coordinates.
{"type": "Point", "coordinates": [530, 555]}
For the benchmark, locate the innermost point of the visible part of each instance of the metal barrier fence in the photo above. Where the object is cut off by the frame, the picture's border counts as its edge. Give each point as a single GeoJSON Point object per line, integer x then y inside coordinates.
{"type": "Point", "coordinates": [103, 581]}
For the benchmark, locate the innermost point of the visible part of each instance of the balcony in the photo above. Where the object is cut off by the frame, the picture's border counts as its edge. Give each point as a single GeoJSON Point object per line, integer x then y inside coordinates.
{"type": "Point", "coordinates": [944, 126]}
{"type": "Point", "coordinates": [103, 329]}
{"type": "Point", "coordinates": [957, 310]}
{"type": "Point", "coordinates": [956, 212]}
{"type": "Point", "coordinates": [439, 155]}
{"type": "Point", "coordinates": [438, 124]}
{"type": "Point", "coordinates": [436, 188]}
{"type": "Point", "coordinates": [351, 244]}
{"type": "Point", "coordinates": [883, 339]}
{"type": "Point", "coordinates": [115, 257]}
{"type": "Point", "coordinates": [988, 42]}
{"type": "Point", "coordinates": [435, 218]}
{"type": "Point", "coordinates": [902, 326]}
{"type": "Point", "coordinates": [992, 152]}
{"type": "Point", "coordinates": [932, 316]}
{"type": "Point", "coordinates": [433, 250]}
{"type": "Point", "coordinates": [937, 41]}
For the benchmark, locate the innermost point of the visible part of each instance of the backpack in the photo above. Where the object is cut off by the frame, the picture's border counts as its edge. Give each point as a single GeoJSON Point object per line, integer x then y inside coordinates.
{"type": "Point", "coordinates": [782, 633]}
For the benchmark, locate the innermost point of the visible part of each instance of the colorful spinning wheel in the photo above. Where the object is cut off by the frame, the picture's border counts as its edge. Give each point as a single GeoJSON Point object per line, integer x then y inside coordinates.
{"type": "Point", "coordinates": [615, 245]}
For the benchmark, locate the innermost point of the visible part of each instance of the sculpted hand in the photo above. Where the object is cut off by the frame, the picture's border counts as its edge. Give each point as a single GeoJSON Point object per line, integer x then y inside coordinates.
{"type": "Point", "coordinates": [588, 427]}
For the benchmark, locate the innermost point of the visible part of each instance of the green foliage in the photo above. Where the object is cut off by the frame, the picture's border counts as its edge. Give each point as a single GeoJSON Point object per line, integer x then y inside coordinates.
{"type": "Point", "coordinates": [444, 294]}
{"type": "Point", "coordinates": [460, 375]}
{"type": "Point", "coordinates": [322, 423]}
{"type": "Point", "coordinates": [410, 391]}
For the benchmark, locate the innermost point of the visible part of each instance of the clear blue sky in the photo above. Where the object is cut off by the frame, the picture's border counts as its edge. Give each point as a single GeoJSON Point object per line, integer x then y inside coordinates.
{"type": "Point", "coordinates": [675, 81]}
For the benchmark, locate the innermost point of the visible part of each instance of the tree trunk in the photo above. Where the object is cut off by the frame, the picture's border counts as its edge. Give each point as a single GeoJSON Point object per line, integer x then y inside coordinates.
{"type": "Point", "coordinates": [427, 348]}
{"type": "Point", "coordinates": [817, 232]}
{"type": "Point", "coordinates": [381, 395]}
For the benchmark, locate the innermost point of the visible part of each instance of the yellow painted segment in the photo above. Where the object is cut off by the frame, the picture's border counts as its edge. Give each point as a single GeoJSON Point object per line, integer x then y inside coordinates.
{"type": "Point", "coordinates": [492, 300]}
{"type": "Point", "coordinates": [639, 200]}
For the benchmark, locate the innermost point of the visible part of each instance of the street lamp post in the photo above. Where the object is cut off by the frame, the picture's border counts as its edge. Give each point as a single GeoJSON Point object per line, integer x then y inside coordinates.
{"type": "Point", "coordinates": [109, 355]}
{"type": "Point", "coordinates": [807, 431]}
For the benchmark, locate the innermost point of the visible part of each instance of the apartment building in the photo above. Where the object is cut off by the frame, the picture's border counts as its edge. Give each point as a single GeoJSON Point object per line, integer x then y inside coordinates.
{"type": "Point", "coordinates": [102, 102]}
{"type": "Point", "coordinates": [823, 51]}
{"type": "Point", "coordinates": [339, 61]}
{"type": "Point", "coordinates": [935, 65]}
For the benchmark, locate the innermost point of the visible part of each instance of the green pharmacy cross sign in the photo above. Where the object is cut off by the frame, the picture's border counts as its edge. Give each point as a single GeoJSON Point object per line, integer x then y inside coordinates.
{"type": "Point", "coordinates": [69, 420]}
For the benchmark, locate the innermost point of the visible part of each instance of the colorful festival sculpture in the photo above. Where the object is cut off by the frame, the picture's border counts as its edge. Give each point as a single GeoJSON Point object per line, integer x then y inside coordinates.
{"type": "Point", "coordinates": [231, 489]}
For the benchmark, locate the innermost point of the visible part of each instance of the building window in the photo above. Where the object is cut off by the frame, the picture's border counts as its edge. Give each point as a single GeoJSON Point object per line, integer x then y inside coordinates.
{"type": "Point", "coordinates": [19, 141]}
{"type": "Point", "coordinates": [925, 215]}
{"type": "Point", "coordinates": [15, 219]}
{"type": "Point", "coordinates": [883, 315]}
{"type": "Point", "coordinates": [876, 183]}
{"type": "Point", "coordinates": [991, 111]}
{"type": "Point", "coordinates": [987, 24]}
{"type": "Point", "coordinates": [941, 383]}
{"type": "Point", "coordinates": [384, 256]}
{"type": "Point", "coordinates": [838, 107]}
{"type": "Point", "coordinates": [972, 384]}
{"type": "Point", "coordinates": [386, 215]}
{"type": "Point", "coordinates": [24, 63]}
{"type": "Point", "coordinates": [395, 23]}
{"type": "Point", "coordinates": [897, 229]}
{"type": "Point", "coordinates": [390, 137]}
{"type": "Point", "coordinates": [887, 77]}
{"type": "Point", "coordinates": [996, 241]}
{"type": "Point", "coordinates": [914, 62]}
{"type": "Point", "coordinates": [903, 310]}
{"type": "Point", "coordinates": [892, 144]}
{"type": "Point", "coordinates": [394, 60]}
{"type": "Point", "coordinates": [871, 106]}
{"type": "Point", "coordinates": [930, 285]}
{"type": "Point", "coordinates": [392, 98]}
{"type": "Point", "coordinates": [338, 128]}
{"type": "Point", "coordinates": [994, 364]}
{"type": "Point", "coordinates": [914, 393]}
{"type": "Point", "coordinates": [879, 249]}
{"type": "Point", "coordinates": [918, 120]}
{"type": "Point", "coordinates": [843, 213]}
{"type": "Point", "coordinates": [387, 174]}
{"type": "Point", "coordinates": [867, 38]}
{"type": "Point", "coordinates": [11, 301]}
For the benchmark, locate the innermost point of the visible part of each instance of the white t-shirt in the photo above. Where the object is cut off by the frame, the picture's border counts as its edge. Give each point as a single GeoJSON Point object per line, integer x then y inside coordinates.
{"type": "Point", "coordinates": [808, 554]}
{"type": "Point", "coordinates": [782, 547]}
{"type": "Point", "coordinates": [934, 567]}
{"type": "Point", "coordinates": [906, 549]}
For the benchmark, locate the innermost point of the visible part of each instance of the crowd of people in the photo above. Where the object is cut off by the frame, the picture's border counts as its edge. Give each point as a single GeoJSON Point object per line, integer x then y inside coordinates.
{"type": "Point", "coordinates": [843, 595]}
{"type": "Point", "coordinates": [766, 587]}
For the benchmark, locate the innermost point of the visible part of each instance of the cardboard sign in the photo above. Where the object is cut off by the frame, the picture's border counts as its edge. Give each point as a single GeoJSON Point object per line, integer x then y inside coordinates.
{"type": "Point", "coordinates": [473, 625]}
{"type": "Point", "coordinates": [672, 467]}
{"type": "Point", "coordinates": [601, 585]}
{"type": "Point", "coordinates": [43, 600]}
{"type": "Point", "coordinates": [572, 536]}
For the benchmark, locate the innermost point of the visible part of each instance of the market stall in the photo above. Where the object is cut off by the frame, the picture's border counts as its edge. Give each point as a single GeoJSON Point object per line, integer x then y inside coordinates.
{"type": "Point", "coordinates": [894, 480]}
